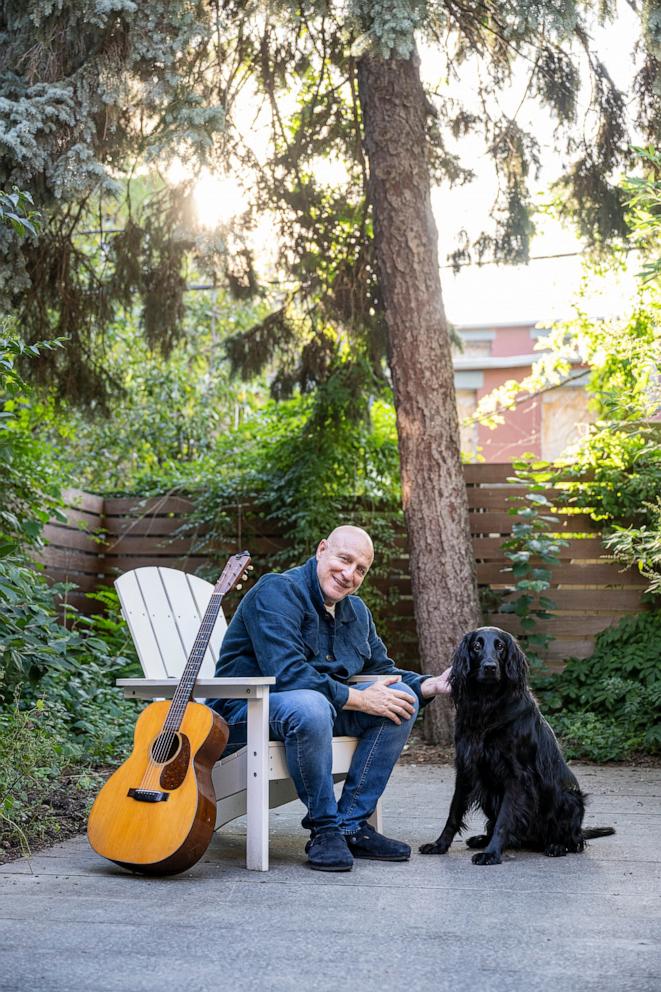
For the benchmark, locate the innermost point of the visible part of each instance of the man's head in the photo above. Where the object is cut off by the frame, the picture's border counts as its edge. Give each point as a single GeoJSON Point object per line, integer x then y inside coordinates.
{"type": "Point", "coordinates": [343, 560]}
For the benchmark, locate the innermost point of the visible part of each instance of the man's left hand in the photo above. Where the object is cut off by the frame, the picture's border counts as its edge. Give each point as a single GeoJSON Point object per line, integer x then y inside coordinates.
{"type": "Point", "coordinates": [437, 685]}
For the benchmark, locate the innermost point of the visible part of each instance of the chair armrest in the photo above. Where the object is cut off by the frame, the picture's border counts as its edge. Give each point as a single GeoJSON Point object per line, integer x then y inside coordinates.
{"type": "Point", "coordinates": [249, 687]}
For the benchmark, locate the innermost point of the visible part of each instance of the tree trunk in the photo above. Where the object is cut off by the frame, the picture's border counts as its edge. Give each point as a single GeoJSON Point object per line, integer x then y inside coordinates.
{"type": "Point", "coordinates": [394, 108]}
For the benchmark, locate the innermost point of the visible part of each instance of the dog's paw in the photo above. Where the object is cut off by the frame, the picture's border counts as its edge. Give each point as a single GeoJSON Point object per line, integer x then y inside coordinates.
{"type": "Point", "coordinates": [478, 841]}
{"type": "Point", "coordinates": [487, 858]}
{"type": "Point", "coordinates": [555, 851]}
{"type": "Point", "coordinates": [434, 848]}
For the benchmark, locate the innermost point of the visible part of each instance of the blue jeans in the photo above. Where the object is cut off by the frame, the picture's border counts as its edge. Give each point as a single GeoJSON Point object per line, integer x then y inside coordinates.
{"type": "Point", "coordinates": [306, 722]}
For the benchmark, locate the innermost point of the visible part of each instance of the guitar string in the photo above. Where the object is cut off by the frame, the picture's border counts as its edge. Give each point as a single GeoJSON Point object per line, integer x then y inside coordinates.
{"type": "Point", "coordinates": [162, 744]}
{"type": "Point", "coordinates": [165, 738]}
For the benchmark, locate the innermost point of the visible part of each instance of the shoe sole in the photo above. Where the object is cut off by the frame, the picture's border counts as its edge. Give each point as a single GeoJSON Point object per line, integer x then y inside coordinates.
{"type": "Point", "coordinates": [329, 867]}
{"type": "Point", "coordinates": [374, 857]}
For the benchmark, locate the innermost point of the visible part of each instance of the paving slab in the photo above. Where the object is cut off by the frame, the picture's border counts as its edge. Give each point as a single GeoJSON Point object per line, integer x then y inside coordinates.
{"type": "Point", "coordinates": [71, 922]}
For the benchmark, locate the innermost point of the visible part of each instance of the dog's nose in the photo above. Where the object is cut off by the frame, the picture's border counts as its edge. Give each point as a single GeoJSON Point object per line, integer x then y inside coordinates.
{"type": "Point", "coordinates": [490, 667]}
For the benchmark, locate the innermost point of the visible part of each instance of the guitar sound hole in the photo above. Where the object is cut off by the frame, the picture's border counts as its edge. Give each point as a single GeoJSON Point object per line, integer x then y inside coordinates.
{"type": "Point", "coordinates": [165, 747]}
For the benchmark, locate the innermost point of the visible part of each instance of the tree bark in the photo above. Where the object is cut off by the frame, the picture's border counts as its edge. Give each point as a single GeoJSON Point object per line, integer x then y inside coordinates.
{"type": "Point", "coordinates": [394, 109]}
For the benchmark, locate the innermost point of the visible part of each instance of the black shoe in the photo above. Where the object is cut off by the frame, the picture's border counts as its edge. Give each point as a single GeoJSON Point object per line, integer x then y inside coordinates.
{"type": "Point", "coordinates": [328, 851]}
{"type": "Point", "coordinates": [367, 843]}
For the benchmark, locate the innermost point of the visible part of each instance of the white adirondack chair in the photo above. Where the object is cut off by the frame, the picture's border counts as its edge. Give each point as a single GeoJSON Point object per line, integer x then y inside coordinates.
{"type": "Point", "coordinates": [163, 608]}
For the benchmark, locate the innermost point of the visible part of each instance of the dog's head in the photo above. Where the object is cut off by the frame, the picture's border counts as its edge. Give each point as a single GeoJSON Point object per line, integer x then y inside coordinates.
{"type": "Point", "coordinates": [491, 660]}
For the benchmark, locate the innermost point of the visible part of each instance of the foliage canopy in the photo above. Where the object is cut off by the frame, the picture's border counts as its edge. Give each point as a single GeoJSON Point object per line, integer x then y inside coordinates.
{"type": "Point", "coordinates": [90, 111]}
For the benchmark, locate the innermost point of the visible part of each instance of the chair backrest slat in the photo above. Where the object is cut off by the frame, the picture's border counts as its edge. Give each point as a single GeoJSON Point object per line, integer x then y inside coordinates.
{"type": "Point", "coordinates": [201, 591]}
{"type": "Point", "coordinates": [137, 614]}
{"type": "Point", "coordinates": [188, 597]}
{"type": "Point", "coordinates": [164, 608]}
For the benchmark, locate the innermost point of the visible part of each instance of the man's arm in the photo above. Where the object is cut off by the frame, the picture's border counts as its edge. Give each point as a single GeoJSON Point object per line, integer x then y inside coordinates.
{"type": "Point", "coordinates": [426, 687]}
{"type": "Point", "coordinates": [437, 685]}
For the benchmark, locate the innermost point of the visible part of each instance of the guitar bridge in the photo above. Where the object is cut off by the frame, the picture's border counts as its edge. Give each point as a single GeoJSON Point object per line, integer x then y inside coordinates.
{"type": "Point", "coordinates": [148, 795]}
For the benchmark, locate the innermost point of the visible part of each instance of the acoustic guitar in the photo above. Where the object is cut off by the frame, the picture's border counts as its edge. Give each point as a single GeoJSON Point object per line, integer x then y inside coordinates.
{"type": "Point", "coordinates": [156, 814]}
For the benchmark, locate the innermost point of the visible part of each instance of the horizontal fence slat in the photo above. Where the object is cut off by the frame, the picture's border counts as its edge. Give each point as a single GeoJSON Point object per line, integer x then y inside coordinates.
{"type": "Point", "coordinates": [485, 473]}
{"type": "Point", "coordinates": [150, 526]}
{"type": "Point", "coordinates": [141, 545]}
{"type": "Point", "coordinates": [141, 506]}
{"type": "Point", "coordinates": [84, 582]}
{"type": "Point", "coordinates": [71, 559]}
{"type": "Point", "coordinates": [502, 523]}
{"type": "Point", "coordinates": [81, 500]}
{"type": "Point", "coordinates": [574, 574]}
{"type": "Point", "coordinates": [69, 537]}
{"type": "Point", "coordinates": [116, 565]}
{"type": "Point", "coordinates": [574, 627]}
{"type": "Point", "coordinates": [79, 520]}
{"type": "Point", "coordinates": [616, 601]}
{"type": "Point", "coordinates": [580, 548]}
{"type": "Point", "coordinates": [506, 497]}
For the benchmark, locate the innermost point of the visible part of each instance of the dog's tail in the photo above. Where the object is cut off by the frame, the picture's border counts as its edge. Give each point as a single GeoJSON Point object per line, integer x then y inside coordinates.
{"type": "Point", "coordinates": [593, 832]}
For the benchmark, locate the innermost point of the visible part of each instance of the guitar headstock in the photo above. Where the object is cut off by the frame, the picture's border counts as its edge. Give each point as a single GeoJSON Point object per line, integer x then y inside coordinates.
{"type": "Point", "coordinates": [234, 571]}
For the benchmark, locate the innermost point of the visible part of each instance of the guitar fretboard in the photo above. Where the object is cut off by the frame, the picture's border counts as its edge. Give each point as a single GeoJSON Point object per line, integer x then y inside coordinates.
{"type": "Point", "coordinates": [186, 685]}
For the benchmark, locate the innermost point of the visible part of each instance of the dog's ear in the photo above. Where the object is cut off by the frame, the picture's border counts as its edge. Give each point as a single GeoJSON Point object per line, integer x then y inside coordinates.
{"type": "Point", "coordinates": [516, 664]}
{"type": "Point", "coordinates": [461, 665]}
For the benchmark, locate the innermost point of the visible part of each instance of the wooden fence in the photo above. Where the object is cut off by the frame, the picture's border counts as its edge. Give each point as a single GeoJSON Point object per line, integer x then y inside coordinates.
{"type": "Point", "coordinates": [104, 537]}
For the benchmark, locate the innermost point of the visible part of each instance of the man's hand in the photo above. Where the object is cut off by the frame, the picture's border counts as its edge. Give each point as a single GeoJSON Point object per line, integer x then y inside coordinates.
{"type": "Point", "coordinates": [379, 700]}
{"type": "Point", "coordinates": [438, 685]}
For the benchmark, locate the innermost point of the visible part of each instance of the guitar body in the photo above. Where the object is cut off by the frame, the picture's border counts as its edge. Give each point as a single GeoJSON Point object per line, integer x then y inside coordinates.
{"type": "Point", "coordinates": [156, 814]}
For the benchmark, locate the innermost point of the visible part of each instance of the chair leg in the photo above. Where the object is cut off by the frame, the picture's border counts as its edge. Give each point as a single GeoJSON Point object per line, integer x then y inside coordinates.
{"type": "Point", "coordinates": [376, 819]}
{"type": "Point", "coordinates": [257, 837]}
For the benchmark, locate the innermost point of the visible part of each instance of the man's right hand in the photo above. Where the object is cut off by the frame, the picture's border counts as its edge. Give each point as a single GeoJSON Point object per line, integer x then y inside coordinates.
{"type": "Point", "coordinates": [379, 700]}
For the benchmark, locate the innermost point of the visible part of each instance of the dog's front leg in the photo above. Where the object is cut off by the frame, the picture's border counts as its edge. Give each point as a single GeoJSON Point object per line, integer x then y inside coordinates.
{"type": "Point", "coordinates": [502, 832]}
{"type": "Point", "coordinates": [455, 821]}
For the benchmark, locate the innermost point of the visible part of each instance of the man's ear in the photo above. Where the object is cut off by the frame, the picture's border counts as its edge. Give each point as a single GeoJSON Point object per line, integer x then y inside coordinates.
{"type": "Point", "coordinates": [321, 547]}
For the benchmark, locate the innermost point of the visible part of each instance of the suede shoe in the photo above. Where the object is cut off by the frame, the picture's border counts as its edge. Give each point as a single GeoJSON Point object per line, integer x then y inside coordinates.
{"type": "Point", "coordinates": [328, 851]}
{"type": "Point", "coordinates": [367, 843]}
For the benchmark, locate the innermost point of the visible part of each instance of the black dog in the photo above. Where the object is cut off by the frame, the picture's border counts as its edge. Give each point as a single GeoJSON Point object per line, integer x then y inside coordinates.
{"type": "Point", "coordinates": [508, 761]}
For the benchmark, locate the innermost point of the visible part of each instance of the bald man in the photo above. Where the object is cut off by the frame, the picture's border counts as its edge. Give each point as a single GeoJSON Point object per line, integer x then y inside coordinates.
{"type": "Point", "coordinates": [307, 627]}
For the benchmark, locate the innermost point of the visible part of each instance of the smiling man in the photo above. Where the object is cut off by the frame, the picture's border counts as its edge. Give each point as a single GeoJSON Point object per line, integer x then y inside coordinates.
{"type": "Point", "coordinates": [307, 627]}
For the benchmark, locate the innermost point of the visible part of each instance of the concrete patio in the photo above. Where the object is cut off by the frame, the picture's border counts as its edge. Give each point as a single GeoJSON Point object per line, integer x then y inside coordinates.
{"type": "Point", "coordinates": [72, 923]}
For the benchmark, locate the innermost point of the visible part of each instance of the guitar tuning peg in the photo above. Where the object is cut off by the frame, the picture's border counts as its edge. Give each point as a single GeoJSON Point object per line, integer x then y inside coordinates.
{"type": "Point", "coordinates": [251, 568]}
{"type": "Point", "coordinates": [240, 586]}
{"type": "Point", "coordinates": [245, 577]}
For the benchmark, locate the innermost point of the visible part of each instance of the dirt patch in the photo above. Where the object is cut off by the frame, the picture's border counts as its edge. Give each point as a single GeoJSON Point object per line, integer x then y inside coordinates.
{"type": "Point", "coordinates": [419, 752]}
{"type": "Point", "coordinates": [61, 814]}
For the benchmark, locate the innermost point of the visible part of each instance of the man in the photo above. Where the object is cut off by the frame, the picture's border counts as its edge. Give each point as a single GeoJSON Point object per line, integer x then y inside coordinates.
{"type": "Point", "coordinates": [307, 627]}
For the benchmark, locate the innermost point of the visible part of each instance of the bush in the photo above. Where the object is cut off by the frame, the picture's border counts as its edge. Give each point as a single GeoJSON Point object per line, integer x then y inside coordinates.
{"type": "Point", "coordinates": [33, 758]}
{"type": "Point", "coordinates": [606, 707]}
{"type": "Point", "coordinates": [60, 716]}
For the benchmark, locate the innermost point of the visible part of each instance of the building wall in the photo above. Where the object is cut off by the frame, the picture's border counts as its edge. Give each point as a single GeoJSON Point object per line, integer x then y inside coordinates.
{"type": "Point", "coordinates": [543, 425]}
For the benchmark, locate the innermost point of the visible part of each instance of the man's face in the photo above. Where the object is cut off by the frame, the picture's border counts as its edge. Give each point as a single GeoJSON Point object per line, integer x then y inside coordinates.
{"type": "Point", "coordinates": [342, 563]}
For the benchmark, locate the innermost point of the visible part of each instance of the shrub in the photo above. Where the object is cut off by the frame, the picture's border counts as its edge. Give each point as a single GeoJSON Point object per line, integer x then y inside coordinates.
{"type": "Point", "coordinates": [32, 758]}
{"type": "Point", "coordinates": [607, 707]}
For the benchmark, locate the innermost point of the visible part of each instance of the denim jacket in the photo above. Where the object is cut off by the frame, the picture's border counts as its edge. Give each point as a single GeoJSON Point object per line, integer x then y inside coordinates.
{"type": "Point", "coordinates": [282, 628]}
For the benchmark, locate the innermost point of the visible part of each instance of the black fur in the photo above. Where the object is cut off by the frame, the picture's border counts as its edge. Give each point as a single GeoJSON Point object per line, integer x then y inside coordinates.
{"type": "Point", "coordinates": [508, 762]}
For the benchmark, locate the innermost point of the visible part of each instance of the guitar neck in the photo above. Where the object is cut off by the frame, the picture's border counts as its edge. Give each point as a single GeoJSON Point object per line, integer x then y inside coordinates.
{"type": "Point", "coordinates": [186, 685]}
{"type": "Point", "coordinates": [232, 572]}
